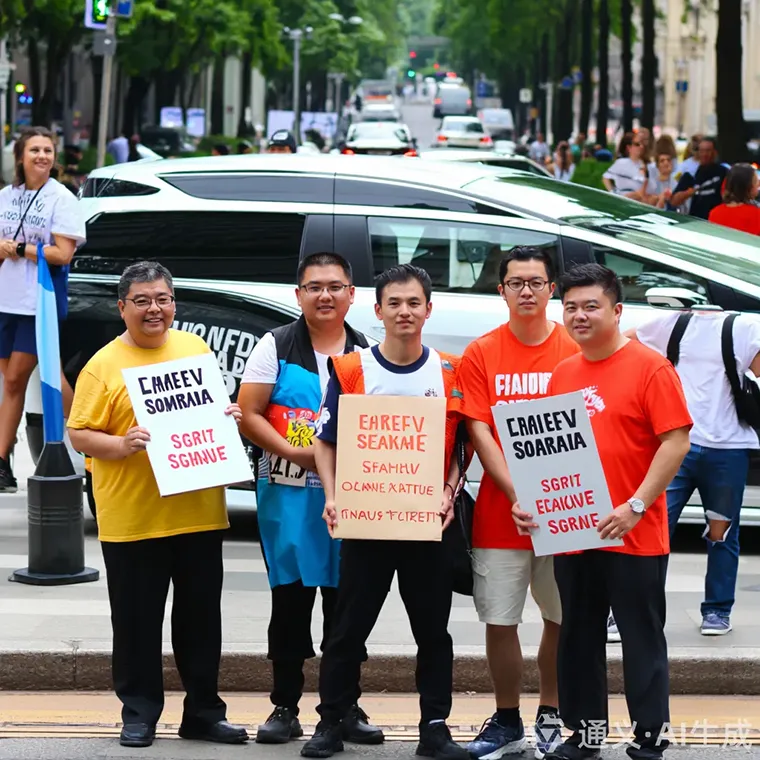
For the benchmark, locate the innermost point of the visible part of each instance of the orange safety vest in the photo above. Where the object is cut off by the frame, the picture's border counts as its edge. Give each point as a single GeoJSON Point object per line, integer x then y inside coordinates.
{"type": "Point", "coordinates": [350, 373]}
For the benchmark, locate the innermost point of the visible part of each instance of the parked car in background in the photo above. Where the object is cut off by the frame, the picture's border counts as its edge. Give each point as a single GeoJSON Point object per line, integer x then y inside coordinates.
{"type": "Point", "coordinates": [379, 138]}
{"type": "Point", "coordinates": [498, 122]}
{"type": "Point", "coordinates": [462, 132]}
{"type": "Point", "coordinates": [487, 158]}
{"type": "Point", "coordinates": [454, 221]}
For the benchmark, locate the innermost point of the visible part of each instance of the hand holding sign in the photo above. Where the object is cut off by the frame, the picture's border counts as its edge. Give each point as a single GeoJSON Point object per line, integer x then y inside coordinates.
{"type": "Point", "coordinates": [330, 516]}
{"type": "Point", "coordinates": [136, 439]}
{"type": "Point", "coordinates": [523, 520]}
{"type": "Point", "coordinates": [620, 521]}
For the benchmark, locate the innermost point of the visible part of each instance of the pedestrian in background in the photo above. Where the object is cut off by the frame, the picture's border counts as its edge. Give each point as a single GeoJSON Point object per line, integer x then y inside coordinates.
{"type": "Point", "coordinates": [739, 210]}
{"type": "Point", "coordinates": [400, 366]}
{"type": "Point", "coordinates": [150, 541]}
{"type": "Point", "coordinates": [34, 209]}
{"type": "Point", "coordinates": [703, 189]}
{"type": "Point", "coordinates": [510, 364]}
{"type": "Point", "coordinates": [564, 167]}
{"type": "Point", "coordinates": [641, 426]}
{"type": "Point", "coordinates": [717, 464]}
{"type": "Point", "coordinates": [629, 175]}
{"type": "Point", "coordinates": [280, 394]}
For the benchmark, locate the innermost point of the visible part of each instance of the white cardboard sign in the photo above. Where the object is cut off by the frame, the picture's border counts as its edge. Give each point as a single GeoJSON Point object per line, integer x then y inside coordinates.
{"type": "Point", "coordinates": [194, 444]}
{"type": "Point", "coordinates": [552, 457]}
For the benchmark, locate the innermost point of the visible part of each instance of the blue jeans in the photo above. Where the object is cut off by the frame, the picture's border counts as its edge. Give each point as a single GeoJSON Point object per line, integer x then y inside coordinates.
{"type": "Point", "coordinates": [720, 476]}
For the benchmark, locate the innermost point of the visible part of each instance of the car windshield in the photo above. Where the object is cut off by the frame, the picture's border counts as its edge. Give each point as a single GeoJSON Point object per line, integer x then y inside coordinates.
{"type": "Point", "coordinates": [456, 125]}
{"type": "Point", "coordinates": [378, 130]}
{"type": "Point", "coordinates": [722, 249]}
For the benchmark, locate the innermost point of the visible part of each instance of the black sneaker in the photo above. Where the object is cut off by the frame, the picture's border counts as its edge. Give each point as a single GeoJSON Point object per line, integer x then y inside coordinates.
{"type": "Point", "coordinates": [280, 727]}
{"type": "Point", "coordinates": [571, 750]}
{"type": "Point", "coordinates": [357, 729]}
{"type": "Point", "coordinates": [8, 483]}
{"type": "Point", "coordinates": [327, 740]}
{"type": "Point", "coordinates": [436, 742]}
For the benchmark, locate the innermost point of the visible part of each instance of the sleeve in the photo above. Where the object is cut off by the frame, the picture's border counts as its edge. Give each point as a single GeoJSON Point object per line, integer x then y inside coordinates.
{"type": "Point", "coordinates": [91, 408]}
{"type": "Point", "coordinates": [651, 179]}
{"type": "Point", "coordinates": [327, 424]}
{"type": "Point", "coordinates": [262, 365]}
{"type": "Point", "coordinates": [655, 333]}
{"type": "Point", "coordinates": [473, 383]}
{"type": "Point", "coordinates": [611, 172]}
{"type": "Point", "coordinates": [68, 219]}
{"type": "Point", "coordinates": [686, 182]}
{"type": "Point", "coordinates": [665, 402]}
{"type": "Point", "coordinates": [746, 341]}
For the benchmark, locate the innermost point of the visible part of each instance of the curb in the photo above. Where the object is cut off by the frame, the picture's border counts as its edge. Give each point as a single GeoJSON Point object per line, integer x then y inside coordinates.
{"type": "Point", "coordinates": [83, 670]}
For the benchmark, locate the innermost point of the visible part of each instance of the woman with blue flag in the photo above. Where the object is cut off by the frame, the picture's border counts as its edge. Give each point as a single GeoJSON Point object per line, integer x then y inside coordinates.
{"type": "Point", "coordinates": [34, 209]}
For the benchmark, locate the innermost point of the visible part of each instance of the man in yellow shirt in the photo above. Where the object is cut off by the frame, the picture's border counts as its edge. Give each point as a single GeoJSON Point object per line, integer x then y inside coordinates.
{"type": "Point", "coordinates": [149, 541]}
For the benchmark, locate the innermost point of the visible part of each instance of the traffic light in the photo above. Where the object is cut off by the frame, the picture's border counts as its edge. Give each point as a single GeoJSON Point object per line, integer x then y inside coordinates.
{"type": "Point", "coordinates": [410, 73]}
{"type": "Point", "coordinates": [412, 54]}
{"type": "Point", "coordinates": [436, 66]}
{"type": "Point", "coordinates": [24, 98]}
{"type": "Point", "coordinates": [96, 13]}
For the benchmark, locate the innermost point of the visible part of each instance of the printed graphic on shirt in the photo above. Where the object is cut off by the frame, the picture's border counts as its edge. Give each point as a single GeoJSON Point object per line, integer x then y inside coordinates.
{"type": "Point", "coordinates": [594, 402]}
{"type": "Point", "coordinates": [529, 384]}
{"type": "Point", "coordinates": [298, 427]}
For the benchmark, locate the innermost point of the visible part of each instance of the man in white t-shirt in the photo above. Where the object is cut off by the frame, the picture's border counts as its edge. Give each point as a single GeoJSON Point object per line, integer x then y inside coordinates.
{"type": "Point", "coordinates": [718, 461]}
{"type": "Point", "coordinates": [280, 394]}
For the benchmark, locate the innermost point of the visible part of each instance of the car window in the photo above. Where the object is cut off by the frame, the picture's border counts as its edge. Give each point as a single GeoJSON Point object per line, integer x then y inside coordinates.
{"type": "Point", "coordinates": [638, 274]}
{"type": "Point", "coordinates": [253, 187]}
{"type": "Point", "coordinates": [357, 192]}
{"type": "Point", "coordinates": [213, 245]}
{"type": "Point", "coordinates": [458, 257]}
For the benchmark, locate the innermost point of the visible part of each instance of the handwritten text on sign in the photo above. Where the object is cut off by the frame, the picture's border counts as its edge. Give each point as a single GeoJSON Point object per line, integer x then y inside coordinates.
{"type": "Point", "coordinates": [194, 444]}
{"type": "Point", "coordinates": [390, 467]}
{"type": "Point", "coordinates": [554, 463]}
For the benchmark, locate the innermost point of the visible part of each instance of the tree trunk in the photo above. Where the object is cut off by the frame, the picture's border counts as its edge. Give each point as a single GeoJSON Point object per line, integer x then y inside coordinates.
{"type": "Point", "coordinates": [732, 137]}
{"type": "Point", "coordinates": [245, 92]}
{"type": "Point", "coordinates": [97, 82]}
{"type": "Point", "coordinates": [536, 88]}
{"type": "Point", "coordinates": [625, 59]}
{"type": "Point", "coordinates": [565, 95]}
{"type": "Point", "coordinates": [217, 97]}
{"type": "Point", "coordinates": [587, 86]}
{"type": "Point", "coordinates": [648, 65]}
{"type": "Point", "coordinates": [603, 93]}
{"type": "Point", "coordinates": [138, 89]}
{"type": "Point", "coordinates": [545, 74]}
{"type": "Point", "coordinates": [35, 79]}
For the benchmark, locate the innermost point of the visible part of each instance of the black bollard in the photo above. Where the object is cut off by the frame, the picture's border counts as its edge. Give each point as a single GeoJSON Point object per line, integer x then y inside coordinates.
{"type": "Point", "coordinates": [56, 523]}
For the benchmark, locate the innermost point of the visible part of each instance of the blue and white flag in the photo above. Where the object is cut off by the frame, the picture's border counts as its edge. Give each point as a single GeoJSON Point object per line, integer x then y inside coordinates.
{"type": "Point", "coordinates": [48, 351]}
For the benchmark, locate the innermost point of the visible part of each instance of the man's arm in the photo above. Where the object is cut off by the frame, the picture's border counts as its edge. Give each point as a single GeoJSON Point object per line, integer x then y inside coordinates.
{"type": "Point", "coordinates": [253, 400]}
{"type": "Point", "coordinates": [325, 453]}
{"type": "Point", "coordinates": [673, 448]}
{"type": "Point", "coordinates": [491, 457]}
{"type": "Point", "coordinates": [326, 459]}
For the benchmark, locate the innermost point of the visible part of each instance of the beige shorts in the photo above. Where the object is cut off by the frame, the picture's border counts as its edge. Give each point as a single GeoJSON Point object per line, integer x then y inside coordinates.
{"type": "Point", "coordinates": [502, 577]}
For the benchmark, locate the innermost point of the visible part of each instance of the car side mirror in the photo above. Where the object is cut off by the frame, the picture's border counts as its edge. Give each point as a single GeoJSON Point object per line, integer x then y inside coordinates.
{"type": "Point", "coordinates": [677, 298]}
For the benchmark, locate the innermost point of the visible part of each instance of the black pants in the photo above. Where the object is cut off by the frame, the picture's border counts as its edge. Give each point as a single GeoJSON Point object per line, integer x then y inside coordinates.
{"type": "Point", "coordinates": [424, 579]}
{"type": "Point", "coordinates": [590, 584]}
{"type": "Point", "coordinates": [138, 575]}
{"type": "Point", "coordinates": [290, 642]}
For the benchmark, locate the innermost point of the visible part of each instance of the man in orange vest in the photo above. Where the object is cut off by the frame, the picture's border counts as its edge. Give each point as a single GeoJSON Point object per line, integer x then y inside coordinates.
{"type": "Point", "coordinates": [400, 366]}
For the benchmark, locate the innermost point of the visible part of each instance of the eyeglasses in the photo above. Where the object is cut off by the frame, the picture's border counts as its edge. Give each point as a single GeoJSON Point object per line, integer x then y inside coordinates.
{"type": "Point", "coordinates": [142, 303]}
{"type": "Point", "coordinates": [518, 284]}
{"type": "Point", "coordinates": [334, 289]}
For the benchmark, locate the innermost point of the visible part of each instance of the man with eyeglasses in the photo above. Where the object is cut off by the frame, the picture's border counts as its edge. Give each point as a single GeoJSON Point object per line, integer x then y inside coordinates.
{"type": "Point", "coordinates": [150, 541]}
{"type": "Point", "coordinates": [280, 395]}
{"type": "Point", "coordinates": [510, 364]}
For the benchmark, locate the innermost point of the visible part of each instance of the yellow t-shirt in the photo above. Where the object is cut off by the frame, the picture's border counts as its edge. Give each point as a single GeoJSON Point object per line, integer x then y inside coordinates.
{"type": "Point", "coordinates": [130, 507]}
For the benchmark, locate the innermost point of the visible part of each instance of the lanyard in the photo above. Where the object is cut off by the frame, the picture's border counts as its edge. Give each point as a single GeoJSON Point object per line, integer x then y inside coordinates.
{"type": "Point", "coordinates": [31, 203]}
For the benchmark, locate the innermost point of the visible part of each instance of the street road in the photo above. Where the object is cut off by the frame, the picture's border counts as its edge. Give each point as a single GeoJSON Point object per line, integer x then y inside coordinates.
{"type": "Point", "coordinates": [418, 116]}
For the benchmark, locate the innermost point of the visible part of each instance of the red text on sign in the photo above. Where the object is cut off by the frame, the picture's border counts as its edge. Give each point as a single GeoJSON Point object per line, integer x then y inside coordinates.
{"type": "Point", "coordinates": [561, 484]}
{"type": "Point", "coordinates": [196, 438]}
{"type": "Point", "coordinates": [209, 455]}
{"type": "Point", "coordinates": [571, 524]}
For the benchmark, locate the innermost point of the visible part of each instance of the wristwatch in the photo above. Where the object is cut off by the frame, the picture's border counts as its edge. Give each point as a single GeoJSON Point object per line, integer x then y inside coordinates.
{"type": "Point", "coordinates": [637, 505]}
{"type": "Point", "coordinates": [21, 250]}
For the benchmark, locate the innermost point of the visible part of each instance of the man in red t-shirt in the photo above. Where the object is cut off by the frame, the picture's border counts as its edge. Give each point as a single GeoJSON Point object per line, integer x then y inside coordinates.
{"type": "Point", "coordinates": [510, 364]}
{"type": "Point", "coordinates": [641, 426]}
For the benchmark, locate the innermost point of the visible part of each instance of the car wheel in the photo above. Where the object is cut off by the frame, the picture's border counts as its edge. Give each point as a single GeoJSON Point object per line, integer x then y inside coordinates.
{"type": "Point", "coordinates": [90, 496]}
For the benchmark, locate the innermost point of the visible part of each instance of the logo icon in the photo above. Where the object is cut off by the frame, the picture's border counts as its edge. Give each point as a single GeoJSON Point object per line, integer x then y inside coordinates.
{"type": "Point", "coordinates": [548, 730]}
{"type": "Point", "coordinates": [594, 402]}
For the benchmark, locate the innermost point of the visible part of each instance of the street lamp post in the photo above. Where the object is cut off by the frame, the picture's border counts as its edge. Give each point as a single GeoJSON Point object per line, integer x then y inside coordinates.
{"type": "Point", "coordinates": [5, 74]}
{"type": "Point", "coordinates": [296, 35]}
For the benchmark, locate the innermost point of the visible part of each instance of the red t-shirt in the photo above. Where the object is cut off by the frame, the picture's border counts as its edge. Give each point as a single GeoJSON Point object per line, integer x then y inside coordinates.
{"type": "Point", "coordinates": [745, 217]}
{"type": "Point", "coordinates": [632, 397]}
{"type": "Point", "coordinates": [498, 369]}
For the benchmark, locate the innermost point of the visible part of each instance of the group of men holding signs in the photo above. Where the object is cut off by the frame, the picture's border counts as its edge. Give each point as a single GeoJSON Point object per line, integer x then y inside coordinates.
{"type": "Point", "coordinates": [361, 467]}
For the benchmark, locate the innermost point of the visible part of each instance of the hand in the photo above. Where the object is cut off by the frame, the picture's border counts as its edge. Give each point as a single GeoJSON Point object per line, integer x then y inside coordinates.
{"type": "Point", "coordinates": [330, 516]}
{"type": "Point", "coordinates": [235, 412]}
{"type": "Point", "coordinates": [667, 194]}
{"type": "Point", "coordinates": [303, 457]}
{"type": "Point", "coordinates": [523, 520]}
{"type": "Point", "coordinates": [620, 521]}
{"type": "Point", "coordinates": [7, 249]}
{"type": "Point", "coordinates": [447, 507]}
{"type": "Point", "coordinates": [136, 439]}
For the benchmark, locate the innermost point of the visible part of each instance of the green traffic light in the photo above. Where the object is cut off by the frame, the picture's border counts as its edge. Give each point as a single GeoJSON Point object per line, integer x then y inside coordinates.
{"type": "Point", "coordinates": [410, 73]}
{"type": "Point", "coordinates": [100, 10]}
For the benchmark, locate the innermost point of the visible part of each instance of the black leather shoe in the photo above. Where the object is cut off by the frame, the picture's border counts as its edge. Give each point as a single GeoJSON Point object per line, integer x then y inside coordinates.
{"type": "Point", "coordinates": [137, 735]}
{"type": "Point", "coordinates": [436, 742]}
{"type": "Point", "coordinates": [571, 751]}
{"type": "Point", "coordinates": [327, 740]}
{"type": "Point", "coordinates": [280, 727]}
{"type": "Point", "coordinates": [221, 732]}
{"type": "Point", "coordinates": [357, 729]}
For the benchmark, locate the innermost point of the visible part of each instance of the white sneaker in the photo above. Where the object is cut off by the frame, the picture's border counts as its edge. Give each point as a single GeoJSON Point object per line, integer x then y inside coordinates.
{"type": "Point", "coordinates": [613, 635]}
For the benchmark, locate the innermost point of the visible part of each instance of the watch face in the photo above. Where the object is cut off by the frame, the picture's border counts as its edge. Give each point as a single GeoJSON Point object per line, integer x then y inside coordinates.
{"type": "Point", "coordinates": [637, 505]}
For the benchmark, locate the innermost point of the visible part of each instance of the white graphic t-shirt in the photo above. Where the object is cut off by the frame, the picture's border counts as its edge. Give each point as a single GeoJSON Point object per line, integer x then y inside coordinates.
{"type": "Point", "coordinates": [55, 210]}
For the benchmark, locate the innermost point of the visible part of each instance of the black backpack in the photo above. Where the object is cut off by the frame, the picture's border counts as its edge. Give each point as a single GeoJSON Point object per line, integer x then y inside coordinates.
{"type": "Point", "coordinates": [745, 391]}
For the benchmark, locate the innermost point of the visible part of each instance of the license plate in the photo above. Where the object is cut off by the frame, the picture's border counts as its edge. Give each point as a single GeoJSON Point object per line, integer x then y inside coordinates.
{"type": "Point", "coordinates": [379, 152]}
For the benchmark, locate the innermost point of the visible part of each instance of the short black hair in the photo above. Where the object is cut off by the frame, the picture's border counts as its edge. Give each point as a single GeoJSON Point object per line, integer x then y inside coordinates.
{"type": "Point", "coordinates": [584, 275]}
{"type": "Point", "coordinates": [527, 253]}
{"type": "Point", "coordinates": [739, 184]}
{"type": "Point", "coordinates": [403, 273]}
{"type": "Point", "coordinates": [143, 271]}
{"type": "Point", "coordinates": [712, 140]}
{"type": "Point", "coordinates": [324, 259]}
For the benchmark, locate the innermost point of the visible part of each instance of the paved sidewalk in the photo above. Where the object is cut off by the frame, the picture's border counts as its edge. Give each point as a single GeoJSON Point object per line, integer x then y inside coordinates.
{"type": "Point", "coordinates": [60, 637]}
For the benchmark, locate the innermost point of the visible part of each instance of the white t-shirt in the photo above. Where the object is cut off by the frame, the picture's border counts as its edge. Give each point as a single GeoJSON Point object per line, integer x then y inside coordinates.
{"type": "Point", "coordinates": [700, 367]}
{"type": "Point", "coordinates": [54, 211]}
{"type": "Point", "coordinates": [628, 176]}
{"type": "Point", "coordinates": [263, 367]}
